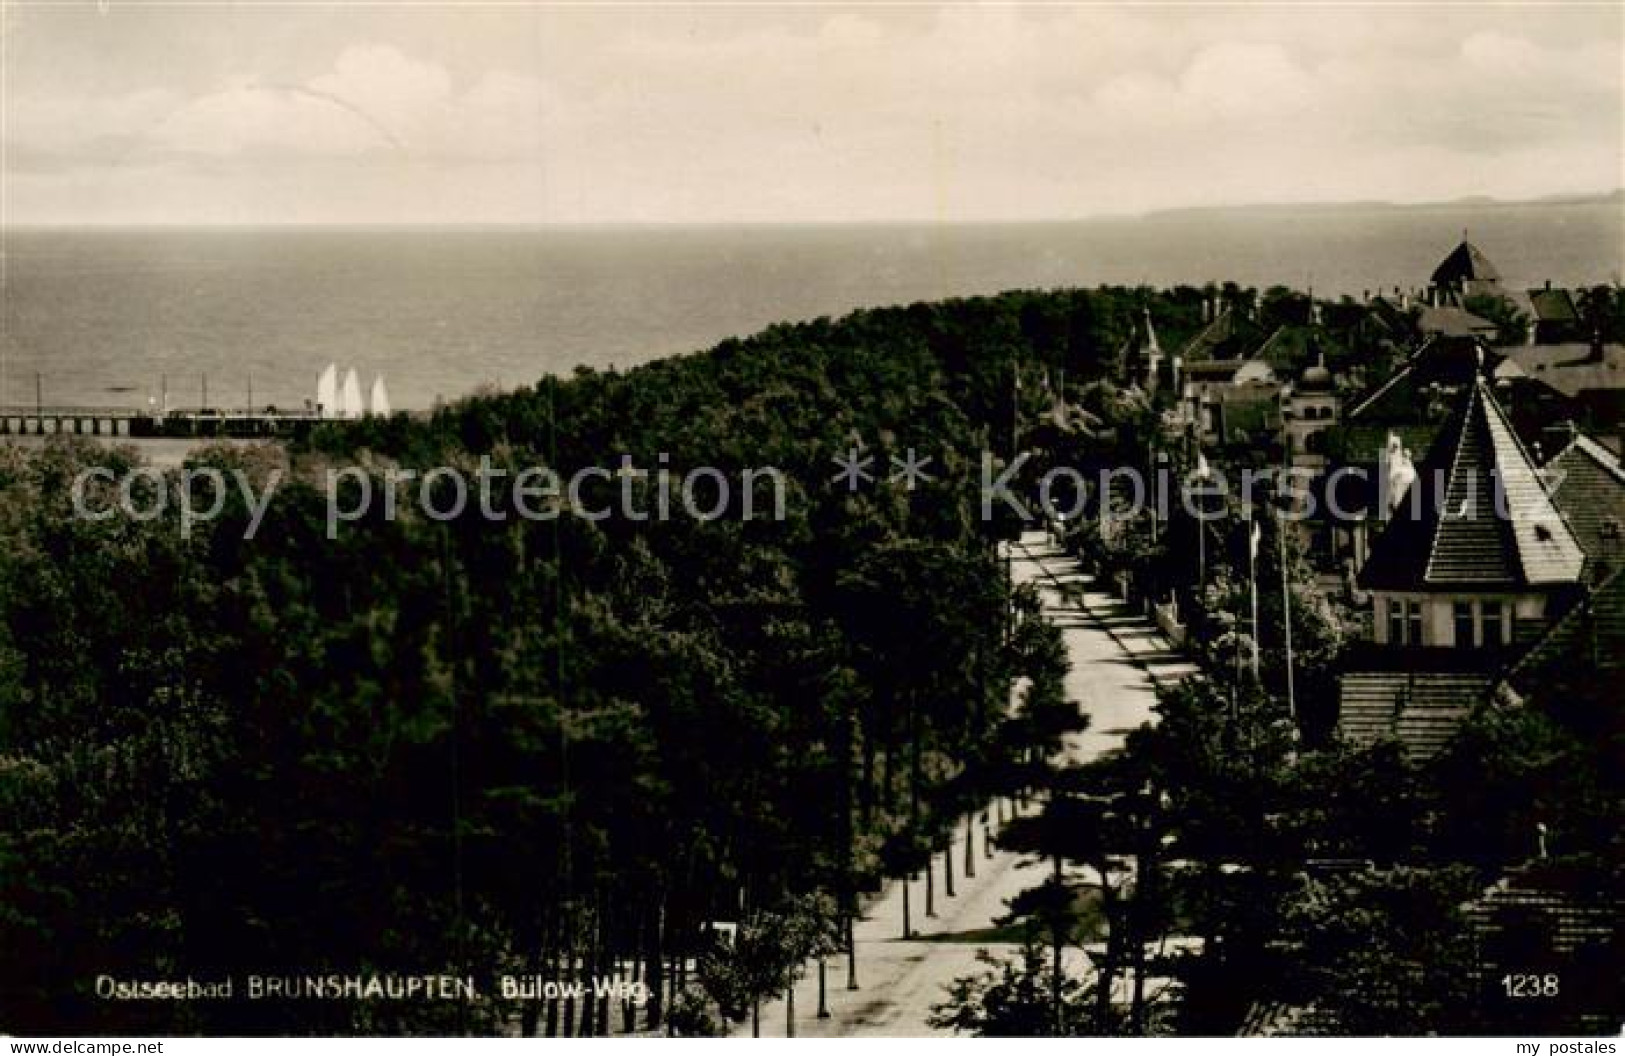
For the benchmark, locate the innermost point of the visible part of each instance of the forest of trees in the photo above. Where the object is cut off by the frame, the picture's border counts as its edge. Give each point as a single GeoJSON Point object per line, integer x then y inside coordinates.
{"type": "Point", "coordinates": [522, 746]}
{"type": "Point", "coordinates": [565, 747]}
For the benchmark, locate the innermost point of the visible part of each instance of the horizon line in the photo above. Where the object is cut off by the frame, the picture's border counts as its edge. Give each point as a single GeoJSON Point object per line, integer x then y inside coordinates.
{"type": "Point", "coordinates": [1464, 201]}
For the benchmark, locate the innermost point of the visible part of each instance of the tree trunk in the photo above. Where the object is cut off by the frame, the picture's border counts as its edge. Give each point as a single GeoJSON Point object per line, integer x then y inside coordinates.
{"type": "Point", "coordinates": [629, 1011]}
{"type": "Point", "coordinates": [552, 1028]}
{"type": "Point", "coordinates": [908, 932]}
{"type": "Point", "coordinates": [790, 1009]}
{"type": "Point", "coordinates": [866, 787]}
{"type": "Point", "coordinates": [1145, 869]}
{"type": "Point", "coordinates": [931, 885]}
{"type": "Point", "coordinates": [948, 866]}
{"type": "Point", "coordinates": [1057, 944]}
{"type": "Point", "coordinates": [589, 1007]}
{"type": "Point", "coordinates": [970, 846]}
{"type": "Point", "coordinates": [655, 963]}
{"type": "Point", "coordinates": [528, 1013]}
{"type": "Point", "coordinates": [567, 1013]}
{"type": "Point", "coordinates": [823, 989]}
{"type": "Point", "coordinates": [851, 955]}
{"type": "Point", "coordinates": [1108, 963]}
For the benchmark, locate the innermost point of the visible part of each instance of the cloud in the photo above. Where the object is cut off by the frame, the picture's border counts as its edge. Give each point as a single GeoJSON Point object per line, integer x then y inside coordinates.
{"type": "Point", "coordinates": [960, 112]}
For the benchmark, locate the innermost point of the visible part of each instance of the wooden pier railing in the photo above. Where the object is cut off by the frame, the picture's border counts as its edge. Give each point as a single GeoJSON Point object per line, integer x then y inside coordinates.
{"type": "Point", "coordinates": [146, 422]}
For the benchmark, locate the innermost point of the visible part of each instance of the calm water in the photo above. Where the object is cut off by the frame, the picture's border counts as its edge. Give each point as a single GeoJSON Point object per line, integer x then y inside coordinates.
{"type": "Point", "coordinates": [104, 316]}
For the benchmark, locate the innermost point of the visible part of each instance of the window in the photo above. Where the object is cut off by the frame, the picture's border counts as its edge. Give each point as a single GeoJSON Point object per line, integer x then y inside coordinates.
{"type": "Point", "coordinates": [1463, 613]}
{"type": "Point", "coordinates": [1404, 622]}
{"type": "Point", "coordinates": [1495, 630]}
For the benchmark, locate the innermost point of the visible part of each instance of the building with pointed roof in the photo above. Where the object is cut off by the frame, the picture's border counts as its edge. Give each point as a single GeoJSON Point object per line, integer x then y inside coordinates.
{"type": "Point", "coordinates": [1553, 315]}
{"type": "Point", "coordinates": [1465, 272]}
{"type": "Point", "coordinates": [1474, 563]}
{"type": "Point", "coordinates": [1145, 364]}
{"type": "Point", "coordinates": [1479, 516]}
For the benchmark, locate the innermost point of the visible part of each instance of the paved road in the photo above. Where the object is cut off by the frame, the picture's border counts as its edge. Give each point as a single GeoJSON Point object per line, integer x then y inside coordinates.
{"type": "Point", "coordinates": [1111, 650]}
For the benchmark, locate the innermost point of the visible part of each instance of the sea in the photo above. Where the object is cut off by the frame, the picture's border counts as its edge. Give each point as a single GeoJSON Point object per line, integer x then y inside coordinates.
{"type": "Point", "coordinates": [235, 318]}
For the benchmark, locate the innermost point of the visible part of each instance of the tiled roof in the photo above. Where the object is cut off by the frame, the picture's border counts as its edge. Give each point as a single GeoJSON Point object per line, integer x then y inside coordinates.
{"type": "Point", "coordinates": [1422, 709]}
{"type": "Point", "coordinates": [1549, 305]}
{"type": "Point", "coordinates": [1452, 322]}
{"type": "Point", "coordinates": [1477, 516]}
{"type": "Point", "coordinates": [1354, 443]}
{"type": "Point", "coordinates": [1570, 368]}
{"type": "Point", "coordinates": [1443, 361]}
{"type": "Point", "coordinates": [1564, 912]}
{"type": "Point", "coordinates": [1465, 262]}
{"type": "Point", "coordinates": [1228, 336]}
{"type": "Point", "coordinates": [1291, 348]}
{"type": "Point", "coordinates": [1590, 637]}
{"type": "Point", "coordinates": [1587, 483]}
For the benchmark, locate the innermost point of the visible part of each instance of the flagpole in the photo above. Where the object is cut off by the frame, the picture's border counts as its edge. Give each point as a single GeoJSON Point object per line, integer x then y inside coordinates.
{"type": "Point", "coordinates": [1252, 583]}
{"type": "Point", "coordinates": [1286, 613]}
{"type": "Point", "coordinates": [1203, 473]}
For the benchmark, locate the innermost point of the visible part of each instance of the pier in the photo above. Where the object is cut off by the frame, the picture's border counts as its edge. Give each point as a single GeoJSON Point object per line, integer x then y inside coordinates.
{"type": "Point", "coordinates": [145, 423]}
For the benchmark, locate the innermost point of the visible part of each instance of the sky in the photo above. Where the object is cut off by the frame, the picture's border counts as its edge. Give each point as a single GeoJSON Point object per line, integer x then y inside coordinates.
{"type": "Point", "coordinates": [302, 112]}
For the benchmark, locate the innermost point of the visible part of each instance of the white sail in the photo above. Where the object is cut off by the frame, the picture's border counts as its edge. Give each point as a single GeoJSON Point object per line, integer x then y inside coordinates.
{"type": "Point", "coordinates": [379, 403]}
{"type": "Point", "coordinates": [327, 391]}
{"type": "Point", "coordinates": [350, 405]}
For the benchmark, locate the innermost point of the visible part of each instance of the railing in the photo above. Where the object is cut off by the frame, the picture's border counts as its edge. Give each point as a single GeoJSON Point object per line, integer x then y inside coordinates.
{"type": "Point", "coordinates": [86, 411]}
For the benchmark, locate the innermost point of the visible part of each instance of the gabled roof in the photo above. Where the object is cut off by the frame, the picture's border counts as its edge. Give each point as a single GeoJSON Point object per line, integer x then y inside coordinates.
{"type": "Point", "coordinates": [1549, 305]}
{"type": "Point", "coordinates": [1590, 637]}
{"type": "Point", "coordinates": [1571, 368]}
{"type": "Point", "coordinates": [1441, 364]}
{"type": "Point", "coordinates": [1478, 515]}
{"type": "Point", "coordinates": [1452, 322]}
{"type": "Point", "coordinates": [1291, 347]}
{"type": "Point", "coordinates": [1466, 263]}
{"type": "Point", "coordinates": [1421, 709]}
{"type": "Point", "coordinates": [1587, 483]}
{"type": "Point", "coordinates": [1228, 336]}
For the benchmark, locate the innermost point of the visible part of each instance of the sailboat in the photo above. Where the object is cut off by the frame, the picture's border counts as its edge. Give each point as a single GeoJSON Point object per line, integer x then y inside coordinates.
{"type": "Point", "coordinates": [327, 391]}
{"type": "Point", "coordinates": [379, 403]}
{"type": "Point", "coordinates": [350, 405]}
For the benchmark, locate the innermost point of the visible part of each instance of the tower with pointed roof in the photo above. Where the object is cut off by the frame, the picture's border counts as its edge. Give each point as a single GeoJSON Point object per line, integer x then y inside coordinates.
{"type": "Point", "coordinates": [1474, 564]}
{"type": "Point", "coordinates": [1476, 555]}
{"type": "Point", "coordinates": [1143, 358]}
{"type": "Point", "coordinates": [1465, 272]}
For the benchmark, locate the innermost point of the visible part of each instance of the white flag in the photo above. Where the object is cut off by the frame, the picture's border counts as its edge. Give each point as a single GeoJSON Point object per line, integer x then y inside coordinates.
{"type": "Point", "coordinates": [1252, 541]}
